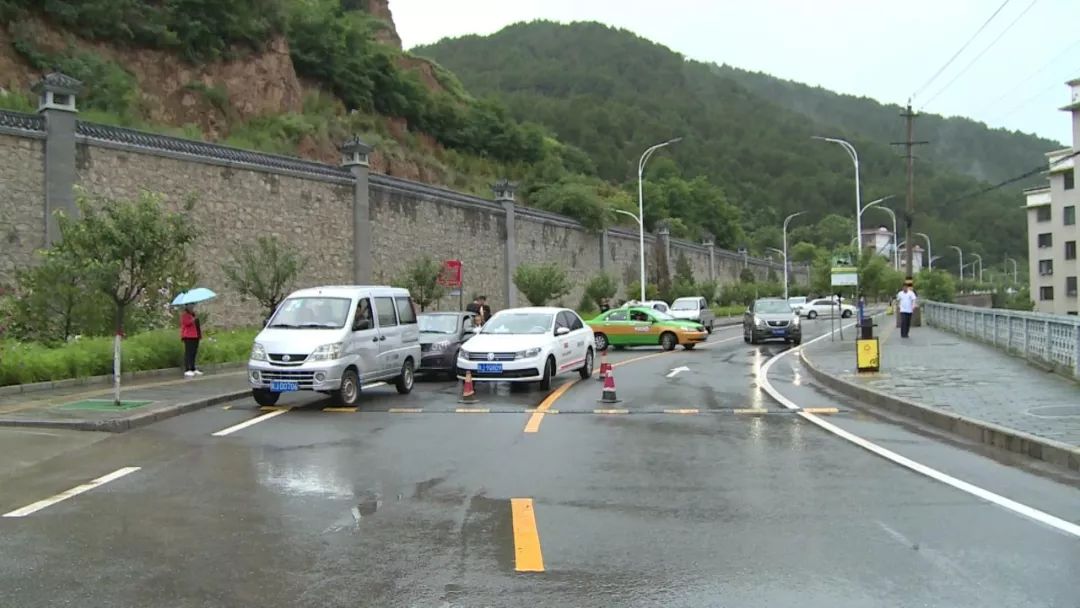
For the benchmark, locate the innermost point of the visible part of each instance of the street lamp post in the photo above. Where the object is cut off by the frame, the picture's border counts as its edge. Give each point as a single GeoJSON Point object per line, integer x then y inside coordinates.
{"type": "Point", "coordinates": [1016, 278]}
{"type": "Point", "coordinates": [929, 251]}
{"type": "Point", "coordinates": [850, 149]}
{"type": "Point", "coordinates": [961, 252]}
{"type": "Point", "coordinates": [786, 221]}
{"type": "Point", "coordinates": [980, 275]}
{"type": "Point", "coordinates": [641, 204]}
{"type": "Point", "coordinates": [896, 256]}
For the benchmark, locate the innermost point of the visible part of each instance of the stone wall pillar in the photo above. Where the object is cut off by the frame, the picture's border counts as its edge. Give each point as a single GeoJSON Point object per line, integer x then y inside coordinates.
{"type": "Point", "coordinates": [355, 158]}
{"type": "Point", "coordinates": [604, 251]}
{"type": "Point", "coordinates": [56, 102]}
{"type": "Point", "coordinates": [504, 195]}
{"type": "Point", "coordinates": [710, 244]}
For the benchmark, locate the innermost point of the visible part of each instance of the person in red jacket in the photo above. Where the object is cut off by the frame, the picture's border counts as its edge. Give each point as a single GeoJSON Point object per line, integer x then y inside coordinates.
{"type": "Point", "coordinates": [190, 334]}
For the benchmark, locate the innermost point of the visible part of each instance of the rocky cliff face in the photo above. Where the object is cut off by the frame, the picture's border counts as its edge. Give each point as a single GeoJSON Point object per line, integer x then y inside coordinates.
{"type": "Point", "coordinates": [381, 10]}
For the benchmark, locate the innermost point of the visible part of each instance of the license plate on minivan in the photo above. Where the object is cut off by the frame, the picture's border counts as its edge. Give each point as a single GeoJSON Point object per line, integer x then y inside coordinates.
{"type": "Point", "coordinates": [279, 386]}
{"type": "Point", "coordinates": [778, 332]}
{"type": "Point", "coordinates": [490, 368]}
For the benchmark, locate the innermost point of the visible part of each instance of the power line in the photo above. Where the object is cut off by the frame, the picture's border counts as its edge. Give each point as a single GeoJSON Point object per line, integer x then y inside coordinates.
{"type": "Point", "coordinates": [1007, 113]}
{"type": "Point", "coordinates": [1012, 180]}
{"type": "Point", "coordinates": [979, 56]}
{"type": "Point", "coordinates": [957, 54]}
{"type": "Point", "coordinates": [1031, 75]}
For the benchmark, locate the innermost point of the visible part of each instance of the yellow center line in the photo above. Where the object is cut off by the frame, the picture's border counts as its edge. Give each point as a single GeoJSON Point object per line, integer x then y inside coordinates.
{"type": "Point", "coordinates": [527, 555]}
{"type": "Point", "coordinates": [820, 410]}
{"type": "Point", "coordinates": [405, 410]}
{"type": "Point", "coordinates": [538, 416]}
{"type": "Point", "coordinates": [340, 410]}
{"type": "Point", "coordinates": [473, 410]}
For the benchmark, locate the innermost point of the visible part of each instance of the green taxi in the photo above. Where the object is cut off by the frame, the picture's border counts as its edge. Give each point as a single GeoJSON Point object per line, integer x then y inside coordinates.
{"type": "Point", "coordinates": [640, 326]}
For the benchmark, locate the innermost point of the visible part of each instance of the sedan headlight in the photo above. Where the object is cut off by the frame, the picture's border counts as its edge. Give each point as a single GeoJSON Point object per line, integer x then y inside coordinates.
{"type": "Point", "coordinates": [759, 321]}
{"type": "Point", "coordinates": [258, 353]}
{"type": "Point", "coordinates": [526, 354]}
{"type": "Point", "coordinates": [796, 320]}
{"type": "Point", "coordinates": [440, 346]}
{"type": "Point", "coordinates": [328, 352]}
{"type": "Point", "coordinates": [463, 355]}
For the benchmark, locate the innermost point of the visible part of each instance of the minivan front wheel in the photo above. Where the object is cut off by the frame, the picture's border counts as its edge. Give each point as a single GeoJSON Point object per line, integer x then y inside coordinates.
{"type": "Point", "coordinates": [404, 382]}
{"type": "Point", "coordinates": [264, 397]}
{"type": "Point", "coordinates": [349, 393]}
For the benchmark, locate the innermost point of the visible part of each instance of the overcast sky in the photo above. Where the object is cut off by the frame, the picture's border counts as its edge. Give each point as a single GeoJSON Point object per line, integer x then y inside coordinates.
{"type": "Point", "coordinates": [882, 49]}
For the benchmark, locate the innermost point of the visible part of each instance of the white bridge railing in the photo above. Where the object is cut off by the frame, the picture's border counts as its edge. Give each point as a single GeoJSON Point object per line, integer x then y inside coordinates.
{"type": "Point", "coordinates": [1052, 340]}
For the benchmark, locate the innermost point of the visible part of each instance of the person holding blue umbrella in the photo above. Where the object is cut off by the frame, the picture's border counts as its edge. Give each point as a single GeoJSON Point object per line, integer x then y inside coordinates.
{"type": "Point", "coordinates": [190, 327]}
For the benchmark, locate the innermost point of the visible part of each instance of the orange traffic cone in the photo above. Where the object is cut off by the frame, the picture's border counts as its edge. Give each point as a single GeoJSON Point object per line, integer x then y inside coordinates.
{"type": "Point", "coordinates": [468, 395]}
{"type": "Point", "coordinates": [608, 396]}
{"type": "Point", "coordinates": [605, 367]}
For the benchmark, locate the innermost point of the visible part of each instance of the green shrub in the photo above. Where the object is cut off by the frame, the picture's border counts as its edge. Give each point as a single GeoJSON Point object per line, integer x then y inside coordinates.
{"type": "Point", "coordinates": [25, 362]}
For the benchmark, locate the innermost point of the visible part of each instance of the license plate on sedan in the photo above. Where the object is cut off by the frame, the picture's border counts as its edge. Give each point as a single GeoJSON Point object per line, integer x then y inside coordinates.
{"type": "Point", "coordinates": [490, 368]}
{"type": "Point", "coordinates": [279, 386]}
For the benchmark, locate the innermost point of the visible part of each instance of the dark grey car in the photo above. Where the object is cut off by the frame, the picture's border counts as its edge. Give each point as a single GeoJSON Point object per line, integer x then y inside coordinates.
{"type": "Point", "coordinates": [771, 319]}
{"type": "Point", "coordinates": [441, 335]}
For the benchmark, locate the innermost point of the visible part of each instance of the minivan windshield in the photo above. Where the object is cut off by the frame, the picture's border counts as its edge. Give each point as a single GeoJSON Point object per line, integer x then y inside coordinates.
{"type": "Point", "coordinates": [438, 323]}
{"type": "Point", "coordinates": [312, 313]}
{"type": "Point", "coordinates": [685, 304]}
{"type": "Point", "coordinates": [774, 307]}
{"type": "Point", "coordinates": [518, 323]}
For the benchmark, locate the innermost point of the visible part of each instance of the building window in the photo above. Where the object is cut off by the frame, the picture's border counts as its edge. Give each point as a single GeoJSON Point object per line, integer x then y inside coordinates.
{"type": "Point", "coordinates": [1046, 240]}
{"type": "Point", "coordinates": [1046, 267]}
{"type": "Point", "coordinates": [1070, 180]}
{"type": "Point", "coordinates": [1046, 293]}
{"type": "Point", "coordinates": [1070, 250]}
{"type": "Point", "coordinates": [1042, 214]}
{"type": "Point", "coordinates": [1070, 215]}
{"type": "Point", "coordinates": [1070, 286]}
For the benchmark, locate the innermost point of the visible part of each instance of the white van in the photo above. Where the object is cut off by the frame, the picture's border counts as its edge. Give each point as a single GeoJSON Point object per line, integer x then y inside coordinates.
{"type": "Point", "coordinates": [334, 340]}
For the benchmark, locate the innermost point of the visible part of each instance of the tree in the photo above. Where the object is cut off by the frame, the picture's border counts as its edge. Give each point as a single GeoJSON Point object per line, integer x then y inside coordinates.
{"type": "Point", "coordinates": [633, 291]}
{"type": "Point", "coordinates": [121, 248]}
{"type": "Point", "coordinates": [422, 279]}
{"type": "Point", "coordinates": [936, 285]}
{"type": "Point", "coordinates": [541, 283]}
{"type": "Point", "coordinates": [746, 275]}
{"type": "Point", "coordinates": [601, 286]}
{"type": "Point", "coordinates": [49, 295]}
{"type": "Point", "coordinates": [264, 270]}
{"type": "Point", "coordinates": [803, 252]}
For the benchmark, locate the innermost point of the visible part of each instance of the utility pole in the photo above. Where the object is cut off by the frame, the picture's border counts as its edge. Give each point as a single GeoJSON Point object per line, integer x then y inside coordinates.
{"type": "Point", "coordinates": [909, 116]}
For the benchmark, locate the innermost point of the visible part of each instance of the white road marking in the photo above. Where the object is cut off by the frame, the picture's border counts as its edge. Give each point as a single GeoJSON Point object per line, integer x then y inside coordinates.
{"type": "Point", "coordinates": [253, 421]}
{"type": "Point", "coordinates": [86, 487]}
{"type": "Point", "coordinates": [677, 370]}
{"type": "Point", "coordinates": [963, 486]}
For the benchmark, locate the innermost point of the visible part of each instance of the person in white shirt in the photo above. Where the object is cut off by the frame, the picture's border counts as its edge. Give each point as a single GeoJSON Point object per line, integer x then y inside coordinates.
{"type": "Point", "coordinates": [906, 303]}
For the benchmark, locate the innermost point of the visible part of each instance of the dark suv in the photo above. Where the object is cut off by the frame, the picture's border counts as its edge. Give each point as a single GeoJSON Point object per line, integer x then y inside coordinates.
{"type": "Point", "coordinates": [771, 319]}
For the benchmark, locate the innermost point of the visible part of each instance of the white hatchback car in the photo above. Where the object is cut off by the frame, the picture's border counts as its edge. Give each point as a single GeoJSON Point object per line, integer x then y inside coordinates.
{"type": "Point", "coordinates": [826, 307]}
{"type": "Point", "coordinates": [528, 345]}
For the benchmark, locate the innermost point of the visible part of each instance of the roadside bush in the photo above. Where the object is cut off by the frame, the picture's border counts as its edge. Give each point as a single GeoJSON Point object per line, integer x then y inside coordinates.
{"type": "Point", "coordinates": [24, 362]}
{"type": "Point", "coordinates": [599, 287]}
{"type": "Point", "coordinates": [541, 283]}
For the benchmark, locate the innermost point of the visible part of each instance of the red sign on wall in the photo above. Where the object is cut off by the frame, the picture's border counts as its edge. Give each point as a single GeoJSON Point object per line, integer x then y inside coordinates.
{"type": "Point", "coordinates": [451, 274]}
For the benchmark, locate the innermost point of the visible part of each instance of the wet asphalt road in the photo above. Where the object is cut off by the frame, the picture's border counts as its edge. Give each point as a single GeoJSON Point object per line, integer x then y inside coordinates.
{"type": "Point", "coordinates": [646, 508]}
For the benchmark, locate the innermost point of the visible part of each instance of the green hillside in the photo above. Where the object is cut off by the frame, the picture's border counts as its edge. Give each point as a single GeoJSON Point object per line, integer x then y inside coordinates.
{"type": "Point", "coordinates": [613, 94]}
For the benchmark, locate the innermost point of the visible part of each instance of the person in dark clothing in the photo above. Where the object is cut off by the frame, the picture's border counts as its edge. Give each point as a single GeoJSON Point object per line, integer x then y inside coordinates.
{"type": "Point", "coordinates": [190, 334]}
{"type": "Point", "coordinates": [479, 308]}
{"type": "Point", "coordinates": [605, 305]}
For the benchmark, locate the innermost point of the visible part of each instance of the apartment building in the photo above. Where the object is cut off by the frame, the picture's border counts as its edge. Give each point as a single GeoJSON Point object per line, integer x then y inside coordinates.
{"type": "Point", "coordinates": [1053, 232]}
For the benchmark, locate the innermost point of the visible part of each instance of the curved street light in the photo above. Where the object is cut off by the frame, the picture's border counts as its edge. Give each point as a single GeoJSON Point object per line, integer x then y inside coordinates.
{"type": "Point", "coordinates": [1015, 274]}
{"type": "Point", "coordinates": [961, 252]}
{"type": "Point", "coordinates": [896, 256]}
{"type": "Point", "coordinates": [929, 250]}
{"type": "Point", "coordinates": [980, 276]}
{"type": "Point", "coordinates": [786, 221]}
{"type": "Point", "coordinates": [641, 205]}
{"type": "Point", "coordinates": [850, 149]}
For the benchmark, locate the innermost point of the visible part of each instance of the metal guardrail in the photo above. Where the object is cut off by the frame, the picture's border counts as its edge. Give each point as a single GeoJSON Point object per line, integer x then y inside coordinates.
{"type": "Point", "coordinates": [1052, 340]}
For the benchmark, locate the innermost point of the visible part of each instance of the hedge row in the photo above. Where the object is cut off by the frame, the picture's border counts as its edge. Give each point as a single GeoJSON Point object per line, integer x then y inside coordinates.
{"type": "Point", "coordinates": [22, 363]}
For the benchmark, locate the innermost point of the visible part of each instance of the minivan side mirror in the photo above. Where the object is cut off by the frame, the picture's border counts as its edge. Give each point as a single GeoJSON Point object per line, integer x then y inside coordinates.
{"type": "Point", "coordinates": [562, 331]}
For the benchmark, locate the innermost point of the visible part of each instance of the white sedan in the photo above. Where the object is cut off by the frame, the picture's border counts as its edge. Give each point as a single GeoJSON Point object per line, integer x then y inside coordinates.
{"type": "Point", "coordinates": [528, 345]}
{"type": "Point", "coordinates": [826, 307]}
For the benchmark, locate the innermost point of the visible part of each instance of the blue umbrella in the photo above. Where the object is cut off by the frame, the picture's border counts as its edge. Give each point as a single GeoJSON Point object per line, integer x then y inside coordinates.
{"type": "Point", "coordinates": [199, 294]}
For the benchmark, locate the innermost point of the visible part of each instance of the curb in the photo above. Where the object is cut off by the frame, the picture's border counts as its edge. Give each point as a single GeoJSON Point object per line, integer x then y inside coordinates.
{"type": "Point", "coordinates": [17, 389]}
{"type": "Point", "coordinates": [987, 433]}
{"type": "Point", "coordinates": [119, 425]}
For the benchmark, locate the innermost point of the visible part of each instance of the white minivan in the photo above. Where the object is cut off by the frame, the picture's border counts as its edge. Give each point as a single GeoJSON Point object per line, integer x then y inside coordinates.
{"type": "Point", "coordinates": [334, 340]}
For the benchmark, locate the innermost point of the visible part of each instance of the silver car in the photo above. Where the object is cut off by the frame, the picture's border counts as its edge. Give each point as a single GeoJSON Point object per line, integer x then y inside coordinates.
{"type": "Point", "coordinates": [334, 340]}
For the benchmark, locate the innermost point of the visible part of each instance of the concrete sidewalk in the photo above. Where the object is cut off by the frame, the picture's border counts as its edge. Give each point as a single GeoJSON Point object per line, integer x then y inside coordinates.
{"type": "Point", "coordinates": [167, 396]}
{"type": "Point", "coordinates": [962, 386]}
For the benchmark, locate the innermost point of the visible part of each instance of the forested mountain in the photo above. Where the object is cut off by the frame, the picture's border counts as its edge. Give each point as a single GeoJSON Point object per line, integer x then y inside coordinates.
{"type": "Point", "coordinates": [613, 94]}
{"type": "Point", "coordinates": [962, 144]}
